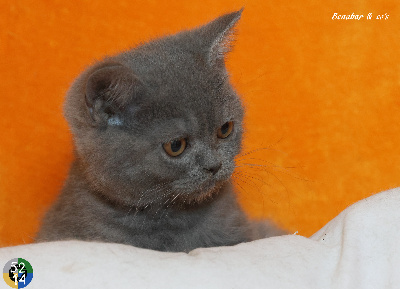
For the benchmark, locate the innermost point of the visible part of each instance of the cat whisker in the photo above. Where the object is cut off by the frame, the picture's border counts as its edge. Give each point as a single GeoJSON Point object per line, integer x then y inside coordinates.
{"type": "Point", "coordinates": [258, 188]}
{"type": "Point", "coordinates": [175, 197]}
{"type": "Point", "coordinates": [268, 168]}
{"type": "Point", "coordinates": [271, 164]}
{"type": "Point", "coordinates": [241, 173]}
{"type": "Point", "coordinates": [237, 179]}
{"type": "Point", "coordinates": [250, 181]}
{"type": "Point", "coordinates": [241, 155]}
{"type": "Point", "coordinates": [245, 194]}
{"type": "Point", "coordinates": [271, 147]}
{"type": "Point", "coordinates": [161, 208]}
{"type": "Point", "coordinates": [153, 189]}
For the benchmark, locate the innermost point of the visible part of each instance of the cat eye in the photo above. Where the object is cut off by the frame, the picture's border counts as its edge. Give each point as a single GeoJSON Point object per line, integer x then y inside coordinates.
{"type": "Point", "coordinates": [176, 147]}
{"type": "Point", "coordinates": [225, 130]}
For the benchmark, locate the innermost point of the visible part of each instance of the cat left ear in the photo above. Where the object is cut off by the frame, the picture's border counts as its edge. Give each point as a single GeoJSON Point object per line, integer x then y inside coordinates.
{"type": "Point", "coordinates": [109, 89]}
{"type": "Point", "coordinates": [220, 33]}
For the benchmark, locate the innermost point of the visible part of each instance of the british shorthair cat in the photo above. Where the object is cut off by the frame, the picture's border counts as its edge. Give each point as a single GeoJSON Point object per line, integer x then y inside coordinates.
{"type": "Point", "coordinates": [156, 130]}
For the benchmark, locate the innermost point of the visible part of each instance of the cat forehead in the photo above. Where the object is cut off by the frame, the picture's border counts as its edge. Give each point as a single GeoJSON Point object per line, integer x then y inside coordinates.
{"type": "Point", "coordinates": [173, 67]}
{"type": "Point", "coordinates": [179, 77]}
{"type": "Point", "coordinates": [199, 110]}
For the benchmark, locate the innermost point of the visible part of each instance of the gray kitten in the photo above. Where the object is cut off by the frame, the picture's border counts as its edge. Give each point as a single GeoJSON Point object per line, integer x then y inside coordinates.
{"type": "Point", "coordinates": [156, 131]}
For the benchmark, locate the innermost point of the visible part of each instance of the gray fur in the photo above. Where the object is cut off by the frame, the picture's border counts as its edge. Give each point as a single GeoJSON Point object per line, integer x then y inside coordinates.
{"type": "Point", "coordinates": [122, 186]}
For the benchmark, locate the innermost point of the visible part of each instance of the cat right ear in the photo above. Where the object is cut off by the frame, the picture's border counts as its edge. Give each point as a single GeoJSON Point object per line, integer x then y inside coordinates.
{"type": "Point", "coordinates": [109, 90]}
{"type": "Point", "coordinates": [219, 36]}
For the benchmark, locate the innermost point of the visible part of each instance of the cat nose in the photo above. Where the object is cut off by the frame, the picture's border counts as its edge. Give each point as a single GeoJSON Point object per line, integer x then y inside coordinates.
{"type": "Point", "coordinates": [214, 168]}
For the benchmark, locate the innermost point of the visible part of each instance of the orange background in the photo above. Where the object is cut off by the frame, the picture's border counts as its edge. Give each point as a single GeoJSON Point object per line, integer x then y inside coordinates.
{"type": "Point", "coordinates": [322, 99]}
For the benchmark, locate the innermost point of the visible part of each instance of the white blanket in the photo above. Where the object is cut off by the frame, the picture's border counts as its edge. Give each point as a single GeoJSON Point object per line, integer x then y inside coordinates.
{"type": "Point", "coordinates": [360, 248]}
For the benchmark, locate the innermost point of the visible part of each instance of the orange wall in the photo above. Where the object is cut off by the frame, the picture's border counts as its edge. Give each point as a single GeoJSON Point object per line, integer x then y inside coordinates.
{"type": "Point", "coordinates": [322, 99]}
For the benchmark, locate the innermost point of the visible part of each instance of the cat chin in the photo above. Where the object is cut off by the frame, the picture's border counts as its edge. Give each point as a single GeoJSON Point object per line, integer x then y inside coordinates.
{"type": "Point", "coordinates": [205, 194]}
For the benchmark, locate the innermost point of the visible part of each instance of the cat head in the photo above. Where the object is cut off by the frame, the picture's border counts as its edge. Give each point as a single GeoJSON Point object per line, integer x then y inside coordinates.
{"type": "Point", "coordinates": [159, 124]}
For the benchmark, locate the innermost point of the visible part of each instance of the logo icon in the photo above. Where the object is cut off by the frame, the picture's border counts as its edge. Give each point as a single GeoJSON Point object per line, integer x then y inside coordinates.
{"type": "Point", "coordinates": [18, 273]}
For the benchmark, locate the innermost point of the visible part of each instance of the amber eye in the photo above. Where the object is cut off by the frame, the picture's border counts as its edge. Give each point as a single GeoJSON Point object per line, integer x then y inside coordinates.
{"type": "Point", "coordinates": [176, 147]}
{"type": "Point", "coordinates": [225, 130]}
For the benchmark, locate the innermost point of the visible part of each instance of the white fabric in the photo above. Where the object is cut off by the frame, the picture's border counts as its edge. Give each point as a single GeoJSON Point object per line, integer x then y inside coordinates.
{"type": "Point", "coordinates": [360, 248]}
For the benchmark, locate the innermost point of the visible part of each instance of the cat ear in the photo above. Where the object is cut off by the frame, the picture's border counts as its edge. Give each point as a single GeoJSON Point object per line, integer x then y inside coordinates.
{"type": "Point", "coordinates": [220, 35]}
{"type": "Point", "coordinates": [109, 89]}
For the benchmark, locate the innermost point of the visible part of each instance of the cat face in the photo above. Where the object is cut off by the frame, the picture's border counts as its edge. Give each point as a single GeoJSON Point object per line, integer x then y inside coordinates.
{"type": "Point", "coordinates": [159, 124]}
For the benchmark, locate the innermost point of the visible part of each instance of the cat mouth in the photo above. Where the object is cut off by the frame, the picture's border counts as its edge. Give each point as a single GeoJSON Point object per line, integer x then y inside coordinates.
{"type": "Point", "coordinates": [196, 190]}
{"type": "Point", "coordinates": [206, 192]}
